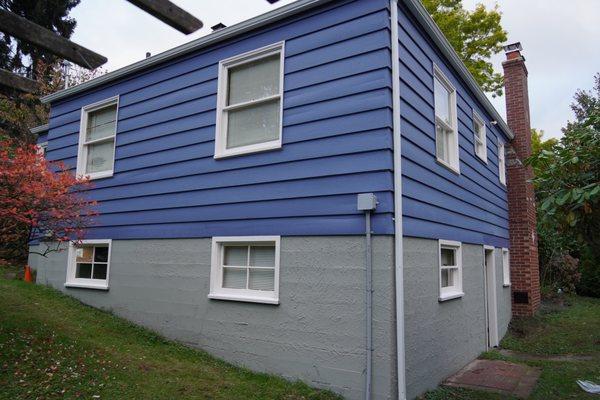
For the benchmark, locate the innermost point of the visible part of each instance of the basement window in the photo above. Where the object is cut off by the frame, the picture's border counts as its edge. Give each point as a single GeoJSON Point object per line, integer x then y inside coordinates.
{"type": "Point", "coordinates": [450, 270]}
{"type": "Point", "coordinates": [446, 133]}
{"type": "Point", "coordinates": [89, 264]}
{"type": "Point", "coordinates": [501, 163]}
{"type": "Point", "coordinates": [96, 154]}
{"type": "Point", "coordinates": [249, 102]}
{"type": "Point", "coordinates": [245, 269]}
{"type": "Point", "coordinates": [480, 137]}
{"type": "Point", "coordinates": [506, 267]}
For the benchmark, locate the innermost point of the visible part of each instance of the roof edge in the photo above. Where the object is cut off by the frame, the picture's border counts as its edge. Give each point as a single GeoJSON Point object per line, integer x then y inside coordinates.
{"type": "Point", "coordinates": [211, 38]}
{"type": "Point", "coordinates": [39, 129]}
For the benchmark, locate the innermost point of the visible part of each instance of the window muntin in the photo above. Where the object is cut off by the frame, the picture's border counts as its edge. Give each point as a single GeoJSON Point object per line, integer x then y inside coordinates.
{"type": "Point", "coordinates": [479, 137]}
{"type": "Point", "coordinates": [249, 102]}
{"type": "Point", "coordinates": [89, 264]}
{"type": "Point", "coordinates": [245, 269]}
{"type": "Point", "coordinates": [506, 267]}
{"type": "Point", "coordinates": [96, 155]}
{"type": "Point", "coordinates": [501, 163]}
{"type": "Point", "coordinates": [450, 270]}
{"type": "Point", "coordinates": [446, 134]}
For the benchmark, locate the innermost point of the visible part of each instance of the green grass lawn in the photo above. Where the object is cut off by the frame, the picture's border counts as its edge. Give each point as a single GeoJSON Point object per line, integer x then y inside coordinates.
{"type": "Point", "coordinates": [557, 330]}
{"type": "Point", "coordinates": [53, 347]}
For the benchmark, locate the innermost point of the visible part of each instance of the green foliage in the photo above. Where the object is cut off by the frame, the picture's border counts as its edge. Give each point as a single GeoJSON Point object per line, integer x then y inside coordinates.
{"type": "Point", "coordinates": [567, 182]}
{"type": "Point", "coordinates": [475, 35]}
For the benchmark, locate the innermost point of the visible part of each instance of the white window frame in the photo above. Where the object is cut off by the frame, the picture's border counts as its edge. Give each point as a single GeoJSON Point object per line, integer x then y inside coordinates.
{"type": "Point", "coordinates": [456, 291]}
{"type": "Point", "coordinates": [82, 150]}
{"type": "Point", "coordinates": [217, 291]}
{"type": "Point", "coordinates": [71, 281]}
{"type": "Point", "coordinates": [501, 162]}
{"type": "Point", "coordinates": [505, 267]}
{"type": "Point", "coordinates": [480, 137]}
{"type": "Point", "coordinates": [221, 150]}
{"type": "Point", "coordinates": [454, 163]}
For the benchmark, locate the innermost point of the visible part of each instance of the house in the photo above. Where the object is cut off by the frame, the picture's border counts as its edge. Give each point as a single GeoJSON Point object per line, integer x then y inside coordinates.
{"type": "Point", "coordinates": [228, 172]}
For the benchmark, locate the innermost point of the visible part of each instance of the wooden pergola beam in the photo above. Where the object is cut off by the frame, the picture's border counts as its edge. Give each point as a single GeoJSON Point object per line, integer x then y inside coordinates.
{"type": "Point", "coordinates": [170, 14]}
{"type": "Point", "coordinates": [20, 83]}
{"type": "Point", "coordinates": [21, 28]}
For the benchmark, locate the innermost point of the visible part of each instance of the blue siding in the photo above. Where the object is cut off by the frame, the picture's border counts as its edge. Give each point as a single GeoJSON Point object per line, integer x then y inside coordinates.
{"type": "Point", "coordinates": [437, 203]}
{"type": "Point", "coordinates": [336, 138]}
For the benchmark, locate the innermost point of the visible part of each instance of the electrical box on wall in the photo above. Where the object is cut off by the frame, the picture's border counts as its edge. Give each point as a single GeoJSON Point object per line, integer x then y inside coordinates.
{"type": "Point", "coordinates": [366, 202]}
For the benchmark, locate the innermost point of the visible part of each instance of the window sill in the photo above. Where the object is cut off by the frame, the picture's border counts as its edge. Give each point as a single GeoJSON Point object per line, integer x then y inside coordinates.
{"type": "Point", "coordinates": [255, 148]}
{"type": "Point", "coordinates": [86, 286]}
{"type": "Point", "coordinates": [452, 168]}
{"type": "Point", "coordinates": [450, 296]}
{"type": "Point", "coordinates": [99, 175]}
{"type": "Point", "coordinates": [231, 297]}
{"type": "Point", "coordinates": [506, 285]}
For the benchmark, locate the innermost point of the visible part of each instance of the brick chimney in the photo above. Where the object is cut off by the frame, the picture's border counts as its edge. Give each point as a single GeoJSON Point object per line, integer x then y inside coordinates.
{"type": "Point", "coordinates": [524, 264]}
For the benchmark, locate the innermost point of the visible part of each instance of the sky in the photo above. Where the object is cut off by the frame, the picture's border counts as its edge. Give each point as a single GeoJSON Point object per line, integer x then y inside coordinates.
{"type": "Point", "coordinates": [560, 42]}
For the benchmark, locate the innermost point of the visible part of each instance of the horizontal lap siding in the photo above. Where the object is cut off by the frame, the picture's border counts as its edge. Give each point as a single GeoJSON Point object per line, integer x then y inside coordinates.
{"type": "Point", "coordinates": [337, 139]}
{"type": "Point", "coordinates": [438, 204]}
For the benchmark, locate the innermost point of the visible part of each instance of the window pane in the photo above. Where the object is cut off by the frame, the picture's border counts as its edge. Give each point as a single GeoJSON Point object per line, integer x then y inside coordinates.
{"type": "Point", "coordinates": [100, 271]}
{"type": "Point", "coordinates": [100, 157]}
{"type": "Point", "coordinates": [83, 271]}
{"type": "Point", "coordinates": [101, 123]}
{"type": "Point", "coordinates": [262, 279]}
{"type": "Point", "coordinates": [262, 256]}
{"type": "Point", "coordinates": [236, 255]}
{"type": "Point", "coordinates": [448, 257]}
{"type": "Point", "coordinates": [254, 80]}
{"type": "Point", "coordinates": [84, 254]}
{"type": "Point", "coordinates": [254, 124]}
{"type": "Point", "coordinates": [234, 278]}
{"type": "Point", "coordinates": [101, 254]}
{"type": "Point", "coordinates": [440, 143]}
{"type": "Point", "coordinates": [442, 101]}
{"type": "Point", "coordinates": [448, 276]}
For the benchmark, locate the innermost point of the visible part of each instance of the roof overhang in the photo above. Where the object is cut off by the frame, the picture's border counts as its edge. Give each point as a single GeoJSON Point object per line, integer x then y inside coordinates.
{"type": "Point", "coordinates": [414, 6]}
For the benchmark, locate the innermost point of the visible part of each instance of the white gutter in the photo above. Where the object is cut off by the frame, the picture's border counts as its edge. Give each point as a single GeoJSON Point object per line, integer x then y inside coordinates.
{"type": "Point", "coordinates": [398, 235]}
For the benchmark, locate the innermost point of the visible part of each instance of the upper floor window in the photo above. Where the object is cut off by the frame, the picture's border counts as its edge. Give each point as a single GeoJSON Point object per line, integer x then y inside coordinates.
{"type": "Point", "coordinates": [249, 102]}
{"type": "Point", "coordinates": [501, 163]}
{"type": "Point", "coordinates": [450, 269]}
{"type": "Point", "coordinates": [96, 155]}
{"type": "Point", "coordinates": [480, 137]}
{"type": "Point", "coordinates": [245, 269]}
{"type": "Point", "coordinates": [89, 264]}
{"type": "Point", "coordinates": [446, 134]}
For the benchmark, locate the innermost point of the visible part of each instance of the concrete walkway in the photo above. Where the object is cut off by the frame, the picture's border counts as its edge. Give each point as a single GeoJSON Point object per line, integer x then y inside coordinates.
{"type": "Point", "coordinates": [497, 376]}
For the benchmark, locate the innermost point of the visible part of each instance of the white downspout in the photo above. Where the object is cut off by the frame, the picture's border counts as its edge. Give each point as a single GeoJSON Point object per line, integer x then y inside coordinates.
{"type": "Point", "coordinates": [398, 248]}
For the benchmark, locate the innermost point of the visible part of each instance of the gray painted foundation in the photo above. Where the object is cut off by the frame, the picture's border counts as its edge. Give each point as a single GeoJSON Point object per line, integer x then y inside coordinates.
{"type": "Point", "coordinates": [443, 337]}
{"type": "Point", "coordinates": [317, 333]}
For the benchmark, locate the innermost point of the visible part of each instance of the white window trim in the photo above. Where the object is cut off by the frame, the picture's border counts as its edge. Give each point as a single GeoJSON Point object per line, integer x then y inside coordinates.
{"type": "Point", "coordinates": [501, 162]}
{"type": "Point", "coordinates": [477, 119]}
{"type": "Point", "coordinates": [457, 291]}
{"type": "Point", "coordinates": [221, 150]}
{"type": "Point", "coordinates": [454, 164]}
{"type": "Point", "coordinates": [71, 281]}
{"type": "Point", "coordinates": [216, 274]}
{"type": "Point", "coordinates": [505, 267]}
{"type": "Point", "coordinates": [81, 153]}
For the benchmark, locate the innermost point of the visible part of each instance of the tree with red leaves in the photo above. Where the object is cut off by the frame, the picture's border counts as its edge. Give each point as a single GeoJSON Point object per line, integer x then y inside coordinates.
{"type": "Point", "coordinates": [40, 201]}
